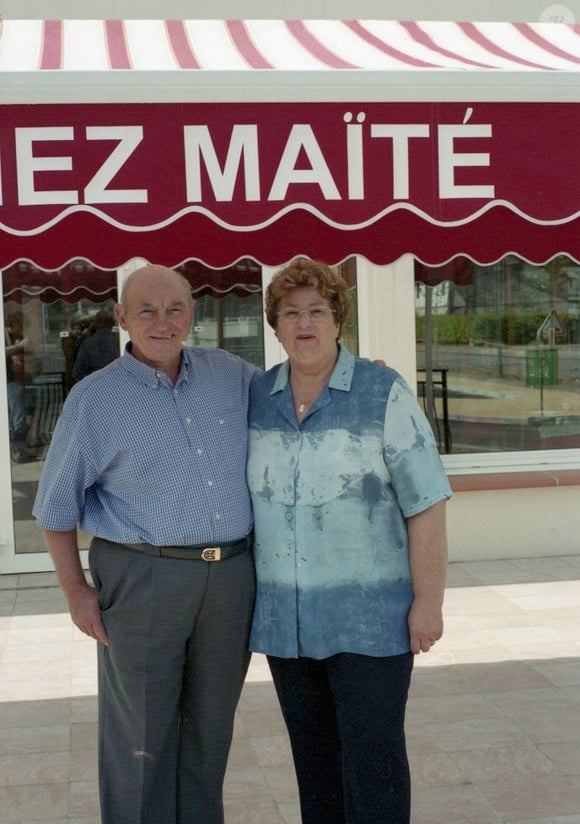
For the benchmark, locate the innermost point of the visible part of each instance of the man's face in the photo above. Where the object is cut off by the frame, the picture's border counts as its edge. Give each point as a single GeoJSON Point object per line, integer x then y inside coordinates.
{"type": "Point", "coordinates": [158, 314]}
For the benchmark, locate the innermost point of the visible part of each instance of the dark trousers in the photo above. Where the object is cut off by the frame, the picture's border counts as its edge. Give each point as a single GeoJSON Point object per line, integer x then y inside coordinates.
{"type": "Point", "coordinates": [345, 717]}
{"type": "Point", "coordinates": [169, 682]}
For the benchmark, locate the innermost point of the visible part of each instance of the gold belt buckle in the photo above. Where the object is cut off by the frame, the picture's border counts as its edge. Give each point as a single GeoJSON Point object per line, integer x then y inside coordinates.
{"type": "Point", "coordinates": [211, 553]}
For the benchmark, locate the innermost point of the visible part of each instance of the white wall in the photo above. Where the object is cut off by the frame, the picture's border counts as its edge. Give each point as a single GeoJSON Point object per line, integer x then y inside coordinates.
{"type": "Point", "coordinates": [514, 523]}
{"type": "Point", "coordinates": [386, 314]}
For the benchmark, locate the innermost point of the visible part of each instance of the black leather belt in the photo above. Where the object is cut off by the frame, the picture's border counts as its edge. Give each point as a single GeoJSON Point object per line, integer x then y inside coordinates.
{"type": "Point", "coordinates": [198, 552]}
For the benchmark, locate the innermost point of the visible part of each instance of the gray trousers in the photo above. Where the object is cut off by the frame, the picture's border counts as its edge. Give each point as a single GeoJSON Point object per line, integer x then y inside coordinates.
{"type": "Point", "coordinates": [169, 682]}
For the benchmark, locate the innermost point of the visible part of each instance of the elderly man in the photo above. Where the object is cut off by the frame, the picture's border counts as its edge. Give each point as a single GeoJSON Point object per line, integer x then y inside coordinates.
{"type": "Point", "coordinates": [149, 457]}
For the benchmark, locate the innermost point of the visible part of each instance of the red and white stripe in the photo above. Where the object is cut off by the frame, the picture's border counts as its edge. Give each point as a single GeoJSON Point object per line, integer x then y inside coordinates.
{"type": "Point", "coordinates": [300, 45]}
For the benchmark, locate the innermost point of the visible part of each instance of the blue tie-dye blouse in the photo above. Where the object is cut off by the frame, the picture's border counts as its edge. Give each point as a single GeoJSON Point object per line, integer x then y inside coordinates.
{"type": "Point", "coordinates": [330, 498]}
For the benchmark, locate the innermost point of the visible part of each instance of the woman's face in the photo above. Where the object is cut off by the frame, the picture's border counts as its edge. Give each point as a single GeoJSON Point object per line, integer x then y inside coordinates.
{"type": "Point", "coordinates": [307, 328]}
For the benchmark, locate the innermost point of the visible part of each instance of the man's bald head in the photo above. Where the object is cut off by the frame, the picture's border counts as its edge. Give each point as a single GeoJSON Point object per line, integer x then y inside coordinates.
{"type": "Point", "coordinates": [151, 273]}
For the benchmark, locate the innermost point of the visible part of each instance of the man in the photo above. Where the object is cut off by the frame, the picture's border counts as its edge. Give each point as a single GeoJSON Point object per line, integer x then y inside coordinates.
{"type": "Point", "coordinates": [149, 457]}
{"type": "Point", "coordinates": [98, 349]}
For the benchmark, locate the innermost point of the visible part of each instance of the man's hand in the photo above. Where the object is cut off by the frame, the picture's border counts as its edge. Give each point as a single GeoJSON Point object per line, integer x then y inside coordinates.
{"type": "Point", "coordinates": [425, 624]}
{"type": "Point", "coordinates": [83, 599]}
{"type": "Point", "coordinates": [85, 612]}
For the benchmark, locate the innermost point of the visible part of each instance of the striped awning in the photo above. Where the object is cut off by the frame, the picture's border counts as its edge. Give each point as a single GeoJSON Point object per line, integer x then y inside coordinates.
{"type": "Point", "coordinates": [218, 140]}
{"type": "Point", "coordinates": [289, 45]}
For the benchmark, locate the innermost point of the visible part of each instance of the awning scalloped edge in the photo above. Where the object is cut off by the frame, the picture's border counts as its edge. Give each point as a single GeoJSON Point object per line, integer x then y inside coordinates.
{"type": "Point", "coordinates": [293, 207]}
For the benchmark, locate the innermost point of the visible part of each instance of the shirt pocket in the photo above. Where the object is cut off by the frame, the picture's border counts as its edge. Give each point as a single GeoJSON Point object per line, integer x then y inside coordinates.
{"type": "Point", "coordinates": [227, 432]}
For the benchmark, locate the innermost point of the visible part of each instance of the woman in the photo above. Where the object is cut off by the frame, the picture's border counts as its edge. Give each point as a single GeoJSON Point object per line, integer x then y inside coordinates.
{"type": "Point", "coordinates": [348, 493]}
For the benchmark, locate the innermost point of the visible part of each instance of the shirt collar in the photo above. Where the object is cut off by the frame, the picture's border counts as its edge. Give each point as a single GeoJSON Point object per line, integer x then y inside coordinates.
{"type": "Point", "coordinates": [341, 377]}
{"type": "Point", "coordinates": [147, 374]}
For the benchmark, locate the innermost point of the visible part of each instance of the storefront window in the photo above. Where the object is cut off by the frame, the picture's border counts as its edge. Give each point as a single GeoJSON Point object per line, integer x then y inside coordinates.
{"type": "Point", "coordinates": [498, 354]}
{"type": "Point", "coordinates": [51, 323]}
{"type": "Point", "coordinates": [228, 310]}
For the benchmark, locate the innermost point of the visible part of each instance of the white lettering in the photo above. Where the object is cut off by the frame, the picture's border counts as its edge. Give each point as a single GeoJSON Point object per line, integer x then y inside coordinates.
{"type": "Point", "coordinates": [302, 137]}
{"type": "Point", "coordinates": [96, 189]}
{"type": "Point", "coordinates": [449, 160]}
{"type": "Point", "coordinates": [400, 134]}
{"type": "Point", "coordinates": [198, 143]}
{"type": "Point", "coordinates": [27, 164]}
{"type": "Point", "coordinates": [355, 161]}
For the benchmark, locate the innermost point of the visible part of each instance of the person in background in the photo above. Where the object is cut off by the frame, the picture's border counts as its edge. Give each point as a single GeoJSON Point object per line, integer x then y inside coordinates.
{"type": "Point", "coordinates": [16, 346]}
{"type": "Point", "coordinates": [70, 342]}
{"type": "Point", "coordinates": [149, 457]}
{"type": "Point", "coordinates": [99, 348]}
{"type": "Point", "coordinates": [349, 493]}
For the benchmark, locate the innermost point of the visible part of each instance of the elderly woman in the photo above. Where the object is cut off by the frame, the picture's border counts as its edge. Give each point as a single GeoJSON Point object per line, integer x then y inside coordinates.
{"type": "Point", "coordinates": [349, 494]}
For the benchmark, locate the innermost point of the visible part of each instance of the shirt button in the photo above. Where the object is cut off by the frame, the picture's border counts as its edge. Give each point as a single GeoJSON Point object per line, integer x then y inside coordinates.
{"type": "Point", "coordinates": [221, 421]}
{"type": "Point", "coordinates": [288, 516]}
{"type": "Point", "coordinates": [210, 483]}
{"type": "Point", "coordinates": [188, 420]}
{"type": "Point", "coordinates": [217, 516]}
{"type": "Point", "coordinates": [200, 451]}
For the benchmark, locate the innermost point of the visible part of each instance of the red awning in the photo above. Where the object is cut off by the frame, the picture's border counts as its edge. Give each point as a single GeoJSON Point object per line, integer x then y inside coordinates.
{"type": "Point", "coordinates": [220, 181]}
{"type": "Point", "coordinates": [80, 280]}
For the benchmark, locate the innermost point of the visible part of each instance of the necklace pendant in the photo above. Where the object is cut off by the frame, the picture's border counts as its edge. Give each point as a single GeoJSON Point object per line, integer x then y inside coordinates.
{"type": "Point", "coordinates": [301, 407]}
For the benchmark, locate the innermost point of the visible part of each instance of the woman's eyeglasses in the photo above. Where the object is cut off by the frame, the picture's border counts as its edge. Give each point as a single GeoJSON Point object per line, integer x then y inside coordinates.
{"type": "Point", "coordinates": [318, 314]}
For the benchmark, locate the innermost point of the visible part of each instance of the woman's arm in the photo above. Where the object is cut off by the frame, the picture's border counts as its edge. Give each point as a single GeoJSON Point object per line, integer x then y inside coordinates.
{"type": "Point", "coordinates": [428, 560]}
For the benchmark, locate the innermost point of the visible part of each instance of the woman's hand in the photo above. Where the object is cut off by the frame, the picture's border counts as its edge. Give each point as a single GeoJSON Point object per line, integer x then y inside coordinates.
{"type": "Point", "coordinates": [425, 624]}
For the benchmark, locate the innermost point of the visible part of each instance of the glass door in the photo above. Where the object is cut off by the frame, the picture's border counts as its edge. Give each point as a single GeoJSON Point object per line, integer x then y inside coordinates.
{"type": "Point", "coordinates": [51, 321]}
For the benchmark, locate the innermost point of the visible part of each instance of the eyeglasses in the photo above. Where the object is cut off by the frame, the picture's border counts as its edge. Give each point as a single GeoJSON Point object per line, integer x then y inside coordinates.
{"type": "Point", "coordinates": [318, 314]}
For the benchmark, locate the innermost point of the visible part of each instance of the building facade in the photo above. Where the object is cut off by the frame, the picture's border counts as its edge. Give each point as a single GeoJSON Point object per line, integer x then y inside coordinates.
{"type": "Point", "coordinates": [485, 325]}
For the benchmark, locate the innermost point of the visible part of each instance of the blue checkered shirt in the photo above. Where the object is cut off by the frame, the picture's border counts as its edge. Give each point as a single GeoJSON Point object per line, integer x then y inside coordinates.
{"type": "Point", "coordinates": [136, 459]}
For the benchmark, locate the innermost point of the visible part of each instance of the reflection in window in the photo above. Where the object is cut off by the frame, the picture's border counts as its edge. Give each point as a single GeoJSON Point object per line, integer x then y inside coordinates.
{"type": "Point", "coordinates": [51, 322]}
{"type": "Point", "coordinates": [498, 354]}
{"type": "Point", "coordinates": [228, 311]}
{"type": "Point", "coordinates": [349, 335]}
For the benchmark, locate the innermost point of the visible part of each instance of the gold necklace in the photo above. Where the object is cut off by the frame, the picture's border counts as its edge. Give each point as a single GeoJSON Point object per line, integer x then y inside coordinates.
{"type": "Point", "coordinates": [303, 404]}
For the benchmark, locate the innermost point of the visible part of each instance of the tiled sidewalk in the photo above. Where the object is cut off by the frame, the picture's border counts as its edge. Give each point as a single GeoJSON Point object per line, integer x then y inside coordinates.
{"type": "Point", "coordinates": [493, 720]}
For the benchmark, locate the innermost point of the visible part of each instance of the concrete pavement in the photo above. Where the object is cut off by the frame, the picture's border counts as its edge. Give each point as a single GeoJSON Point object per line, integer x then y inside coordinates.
{"type": "Point", "coordinates": [493, 718]}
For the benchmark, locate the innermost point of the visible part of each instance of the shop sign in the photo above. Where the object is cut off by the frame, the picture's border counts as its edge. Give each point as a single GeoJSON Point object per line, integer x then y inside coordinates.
{"type": "Point", "coordinates": [244, 167]}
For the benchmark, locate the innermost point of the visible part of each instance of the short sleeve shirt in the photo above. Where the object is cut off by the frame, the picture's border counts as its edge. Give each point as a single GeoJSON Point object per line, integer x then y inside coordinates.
{"type": "Point", "coordinates": [135, 458]}
{"type": "Point", "coordinates": [331, 497]}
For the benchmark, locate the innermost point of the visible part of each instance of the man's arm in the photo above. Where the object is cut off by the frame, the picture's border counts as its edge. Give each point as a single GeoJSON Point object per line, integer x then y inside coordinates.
{"type": "Point", "coordinates": [83, 599]}
{"type": "Point", "coordinates": [428, 559]}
